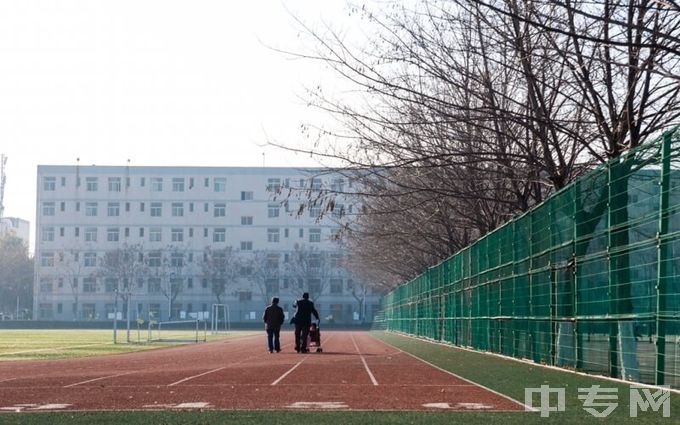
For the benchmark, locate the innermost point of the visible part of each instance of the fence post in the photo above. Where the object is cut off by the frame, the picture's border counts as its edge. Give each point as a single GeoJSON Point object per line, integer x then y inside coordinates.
{"type": "Point", "coordinates": [663, 258]}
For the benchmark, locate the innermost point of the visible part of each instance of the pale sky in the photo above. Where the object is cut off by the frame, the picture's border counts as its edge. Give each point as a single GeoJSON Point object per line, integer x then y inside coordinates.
{"type": "Point", "coordinates": [159, 82]}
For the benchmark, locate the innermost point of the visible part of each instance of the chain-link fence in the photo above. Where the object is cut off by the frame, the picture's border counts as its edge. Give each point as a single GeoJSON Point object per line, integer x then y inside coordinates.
{"type": "Point", "coordinates": [588, 279]}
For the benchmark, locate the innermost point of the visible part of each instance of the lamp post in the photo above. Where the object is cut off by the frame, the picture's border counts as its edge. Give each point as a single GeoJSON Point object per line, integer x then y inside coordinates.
{"type": "Point", "coordinates": [115, 315]}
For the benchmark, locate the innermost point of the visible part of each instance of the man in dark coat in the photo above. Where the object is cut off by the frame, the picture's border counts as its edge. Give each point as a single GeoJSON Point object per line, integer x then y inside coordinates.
{"type": "Point", "coordinates": [273, 318]}
{"type": "Point", "coordinates": [304, 309]}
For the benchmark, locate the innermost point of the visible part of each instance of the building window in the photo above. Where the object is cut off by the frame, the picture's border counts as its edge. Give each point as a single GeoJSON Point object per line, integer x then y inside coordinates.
{"type": "Point", "coordinates": [219, 235]}
{"type": "Point", "coordinates": [336, 286]}
{"type": "Point", "coordinates": [273, 185]}
{"type": "Point", "coordinates": [156, 209]}
{"type": "Point", "coordinates": [246, 196]}
{"type": "Point", "coordinates": [314, 212]}
{"type": "Point", "coordinates": [335, 260]}
{"type": "Point", "coordinates": [114, 184]}
{"type": "Point", "coordinates": [191, 232]}
{"type": "Point", "coordinates": [113, 209]}
{"type": "Point", "coordinates": [220, 210]}
{"type": "Point", "coordinates": [142, 181]}
{"type": "Point", "coordinates": [89, 284]}
{"type": "Point", "coordinates": [177, 259]}
{"type": "Point", "coordinates": [110, 284]}
{"type": "Point", "coordinates": [127, 232]}
{"type": "Point", "coordinates": [76, 231]}
{"type": "Point", "coordinates": [178, 184]}
{"type": "Point", "coordinates": [338, 185]}
{"type": "Point", "coordinates": [191, 207]}
{"type": "Point", "coordinates": [141, 232]}
{"type": "Point", "coordinates": [177, 235]}
{"type": "Point", "coordinates": [63, 181]}
{"type": "Point", "coordinates": [205, 232]}
{"type": "Point", "coordinates": [246, 246]}
{"type": "Point", "coordinates": [273, 210]}
{"type": "Point", "coordinates": [141, 207]}
{"type": "Point", "coordinates": [177, 209]}
{"type": "Point", "coordinates": [245, 296]}
{"type": "Point", "coordinates": [48, 209]}
{"type": "Point", "coordinates": [154, 311]}
{"type": "Point", "coordinates": [49, 183]}
{"type": "Point", "coordinates": [206, 182]}
{"type": "Point", "coordinates": [315, 235]}
{"type": "Point", "coordinates": [62, 206]}
{"type": "Point", "coordinates": [46, 285]}
{"type": "Point", "coordinates": [205, 207]}
{"type": "Point", "coordinates": [48, 234]}
{"type": "Point", "coordinates": [77, 206]}
{"type": "Point", "coordinates": [247, 220]}
{"type": "Point", "coordinates": [316, 184]}
{"type": "Point", "coordinates": [113, 234]}
{"type": "Point", "coordinates": [91, 184]}
{"type": "Point", "coordinates": [220, 184]}
{"type": "Point", "coordinates": [91, 209]}
{"type": "Point", "coordinates": [285, 232]}
{"type": "Point", "coordinates": [90, 234]}
{"type": "Point", "coordinates": [154, 285]}
{"type": "Point", "coordinates": [154, 259]}
{"type": "Point", "coordinates": [156, 184]}
{"type": "Point", "coordinates": [155, 234]}
{"type": "Point", "coordinates": [46, 311]}
{"type": "Point", "coordinates": [47, 259]}
{"type": "Point", "coordinates": [302, 233]}
{"type": "Point", "coordinates": [272, 235]}
{"type": "Point", "coordinates": [245, 271]}
{"type": "Point", "coordinates": [338, 210]}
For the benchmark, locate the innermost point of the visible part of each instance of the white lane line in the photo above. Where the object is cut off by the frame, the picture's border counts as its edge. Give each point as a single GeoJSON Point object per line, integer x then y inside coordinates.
{"type": "Point", "coordinates": [39, 350]}
{"type": "Point", "coordinates": [290, 370]}
{"type": "Point", "coordinates": [527, 408]}
{"type": "Point", "coordinates": [8, 379]}
{"type": "Point", "coordinates": [97, 379]}
{"type": "Point", "coordinates": [196, 376]}
{"type": "Point", "coordinates": [370, 374]}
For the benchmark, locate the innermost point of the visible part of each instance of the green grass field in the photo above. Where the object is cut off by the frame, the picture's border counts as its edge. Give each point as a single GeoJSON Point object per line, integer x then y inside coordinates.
{"type": "Point", "coordinates": [30, 344]}
{"type": "Point", "coordinates": [505, 376]}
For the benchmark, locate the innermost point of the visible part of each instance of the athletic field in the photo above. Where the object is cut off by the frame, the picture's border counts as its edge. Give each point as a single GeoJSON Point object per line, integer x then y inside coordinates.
{"type": "Point", "coordinates": [360, 377]}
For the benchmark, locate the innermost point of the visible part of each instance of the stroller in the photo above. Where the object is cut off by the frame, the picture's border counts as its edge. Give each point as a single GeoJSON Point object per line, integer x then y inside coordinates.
{"type": "Point", "coordinates": [314, 337]}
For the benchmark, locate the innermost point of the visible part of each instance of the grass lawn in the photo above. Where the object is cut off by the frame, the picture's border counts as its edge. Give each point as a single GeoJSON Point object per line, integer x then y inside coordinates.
{"type": "Point", "coordinates": [505, 376]}
{"type": "Point", "coordinates": [33, 344]}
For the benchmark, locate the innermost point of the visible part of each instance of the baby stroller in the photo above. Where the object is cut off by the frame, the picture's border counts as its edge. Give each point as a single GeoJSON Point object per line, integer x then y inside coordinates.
{"type": "Point", "coordinates": [314, 337]}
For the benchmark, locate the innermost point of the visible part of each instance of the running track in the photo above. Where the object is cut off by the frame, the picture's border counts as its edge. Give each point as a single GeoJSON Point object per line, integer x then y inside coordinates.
{"type": "Point", "coordinates": [355, 371]}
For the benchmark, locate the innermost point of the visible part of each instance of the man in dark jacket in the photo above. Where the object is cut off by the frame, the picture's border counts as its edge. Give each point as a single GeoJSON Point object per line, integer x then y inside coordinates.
{"type": "Point", "coordinates": [304, 309]}
{"type": "Point", "coordinates": [273, 318]}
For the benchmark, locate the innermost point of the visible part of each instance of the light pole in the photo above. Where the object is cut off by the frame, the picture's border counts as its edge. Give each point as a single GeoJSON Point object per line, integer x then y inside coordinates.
{"type": "Point", "coordinates": [115, 315]}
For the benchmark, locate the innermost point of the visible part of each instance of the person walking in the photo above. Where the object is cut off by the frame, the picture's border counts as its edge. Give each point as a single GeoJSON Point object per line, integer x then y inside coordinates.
{"type": "Point", "coordinates": [273, 318]}
{"type": "Point", "coordinates": [304, 309]}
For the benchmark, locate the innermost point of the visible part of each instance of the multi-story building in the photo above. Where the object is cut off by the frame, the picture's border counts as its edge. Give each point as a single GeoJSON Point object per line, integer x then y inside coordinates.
{"type": "Point", "coordinates": [169, 242]}
{"type": "Point", "coordinates": [16, 227]}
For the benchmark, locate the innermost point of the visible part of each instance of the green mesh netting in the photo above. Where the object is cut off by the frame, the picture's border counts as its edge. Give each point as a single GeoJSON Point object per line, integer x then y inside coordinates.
{"type": "Point", "coordinates": [589, 279]}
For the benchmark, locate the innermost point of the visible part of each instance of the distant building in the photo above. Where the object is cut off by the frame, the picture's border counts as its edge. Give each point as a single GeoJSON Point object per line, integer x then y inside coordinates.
{"type": "Point", "coordinates": [180, 239]}
{"type": "Point", "coordinates": [16, 226]}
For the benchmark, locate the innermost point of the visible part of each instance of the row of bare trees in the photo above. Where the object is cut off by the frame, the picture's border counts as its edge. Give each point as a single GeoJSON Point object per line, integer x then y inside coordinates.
{"type": "Point", "coordinates": [462, 113]}
{"type": "Point", "coordinates": [224, 270]}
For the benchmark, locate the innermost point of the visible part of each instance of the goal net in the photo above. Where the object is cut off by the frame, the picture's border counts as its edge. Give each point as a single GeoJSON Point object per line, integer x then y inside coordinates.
{"type": "Point", "coordinates": [178, 331]}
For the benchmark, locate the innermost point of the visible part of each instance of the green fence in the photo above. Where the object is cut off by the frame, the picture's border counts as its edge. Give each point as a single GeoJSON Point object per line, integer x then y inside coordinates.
{"type": "Point", "coordinates": [589, 279]}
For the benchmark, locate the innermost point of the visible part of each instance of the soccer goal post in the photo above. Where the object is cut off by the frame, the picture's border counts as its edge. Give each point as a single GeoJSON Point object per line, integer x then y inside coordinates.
{"type": "Point", "coordinates": [178, 331]}
{"type": "Point", "coordinates": [219, 318]}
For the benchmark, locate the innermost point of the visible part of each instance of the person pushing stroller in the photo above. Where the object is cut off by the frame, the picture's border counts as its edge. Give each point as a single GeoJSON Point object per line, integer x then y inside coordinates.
{"type": "Point", "coordinates": [304, 309]}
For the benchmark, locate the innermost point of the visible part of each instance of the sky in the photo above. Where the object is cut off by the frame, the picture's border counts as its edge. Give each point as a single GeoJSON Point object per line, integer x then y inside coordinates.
{"type": "Point", "coordinates": [156, 82]}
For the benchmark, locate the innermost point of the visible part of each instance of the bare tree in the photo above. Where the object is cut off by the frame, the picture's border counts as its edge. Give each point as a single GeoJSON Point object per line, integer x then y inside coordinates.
{"type": "Point", "coordinates": [220, 267]}
{"type": "Point", "coordinates": [468, 112]}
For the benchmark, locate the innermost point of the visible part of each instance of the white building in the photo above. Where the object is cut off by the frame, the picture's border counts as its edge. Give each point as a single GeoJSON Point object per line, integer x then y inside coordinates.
{"type": "Point", "coordinates": [180, 239]}
{"type": "Point", "coordinates": [17, 227]}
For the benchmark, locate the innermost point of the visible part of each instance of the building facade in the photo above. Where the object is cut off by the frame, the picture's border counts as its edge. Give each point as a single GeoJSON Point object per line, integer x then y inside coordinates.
{"type": "Point", "coordinates": [166, 243]}
{"type": "Point", "coordinates": [16, 227]}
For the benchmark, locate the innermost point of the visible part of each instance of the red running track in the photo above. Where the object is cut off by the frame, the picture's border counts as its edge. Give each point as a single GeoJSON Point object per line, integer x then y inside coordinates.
{"type": "Point", "coordinates": [355, 371]}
